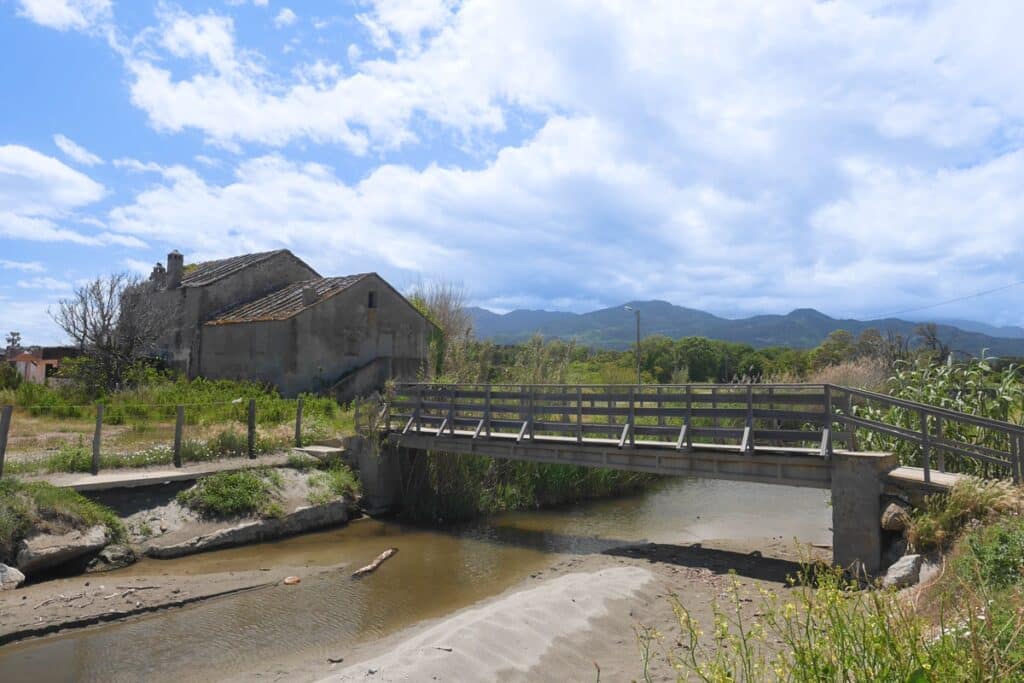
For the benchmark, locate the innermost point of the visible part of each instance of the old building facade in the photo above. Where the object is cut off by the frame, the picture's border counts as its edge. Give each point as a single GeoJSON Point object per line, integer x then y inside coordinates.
{"type": "Point", "coordinates": [269, 317]}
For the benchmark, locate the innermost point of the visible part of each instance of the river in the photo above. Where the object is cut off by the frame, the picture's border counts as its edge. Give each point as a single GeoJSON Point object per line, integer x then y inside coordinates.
{"type": "Point", "coordinates": [435, 573]}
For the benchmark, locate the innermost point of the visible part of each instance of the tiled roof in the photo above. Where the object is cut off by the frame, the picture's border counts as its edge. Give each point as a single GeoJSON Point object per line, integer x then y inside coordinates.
{"type": "Point", "coordinates": [211, 271]}
{"type": "Point", "coordinates": [286, 302]}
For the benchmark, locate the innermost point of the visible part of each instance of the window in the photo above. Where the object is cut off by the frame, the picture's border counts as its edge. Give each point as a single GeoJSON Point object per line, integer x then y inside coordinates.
{"type": "Point", "coordinates": [371, 301]}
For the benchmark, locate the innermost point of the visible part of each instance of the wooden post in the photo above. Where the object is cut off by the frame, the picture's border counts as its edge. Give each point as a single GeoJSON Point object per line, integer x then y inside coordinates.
{"type": "Point", "coordinates": [298, 422]}
{"type": "Point", "coordinates": [748, 445]}
{"type": "Point", "coordinates": [179, 423]}
{"type": "Point", "coordinates": [96, 437]}
{"type": "Point", "coordinates": [661, 416]}
{"type": "Point", "coordinates": [1015, 445]}
{"type": "Point", "coordinates": [714, 407]}
{"type": "Point", "coordinates": [487, 413]}
{"type": "Point", "coordinates": [579, 414]}
{"type": "Point", "coordinates": [925, 446]}
{"type": "Point", "coordinates": [451, 410]}
{"type": "Point", "coordinates": [252, 428]}
{"type": "Point", "coordinates": [940, 453]}
{"type": "Point", "coordinates": [633, 417]}
{"type": "Point", "coordinates": [827, 423]}
{"type": "Point", "coordinates": [848, 407]}
{"type": "Point", "coordinates": [689, 417]}
{"type": "Point", "coordinates": [419, 408]}
{"type": "Point", "coordinates": [5, 428]}
{"type": "Point", "coordinates": [533, 398]}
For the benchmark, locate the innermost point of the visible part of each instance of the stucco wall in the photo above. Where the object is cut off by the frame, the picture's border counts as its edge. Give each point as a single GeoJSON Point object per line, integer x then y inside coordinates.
{"type": "Point", "coordinates": [188, 307]}
{"type": "Point", "coordinates": [314, 349]}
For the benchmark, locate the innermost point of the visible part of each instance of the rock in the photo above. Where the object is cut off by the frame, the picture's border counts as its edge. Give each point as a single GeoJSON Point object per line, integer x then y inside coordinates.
{"type": "Point", "coordinates": [895, 517]}
{"type": "Point", "coordinates": [46, 551]}
{"type": "Point", "coordinates": [301, 520]}
{"type": "Point", "coordinates": [291, 580]}
{"type": "Point", "coordinates": [10, 578]}
{"type": "Point", "coordinates": [894, 550]}
{"type": "Point", "coordinates": [905, 572]}
{"type": "Point", "coordinates": [112, 557]}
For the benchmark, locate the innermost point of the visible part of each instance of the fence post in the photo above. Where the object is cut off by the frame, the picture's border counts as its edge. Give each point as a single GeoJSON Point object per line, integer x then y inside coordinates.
{"type": "Point", "coordinates": [579, 414]}
{"type": "Point", "coordinates": [940, 453]}
{"type": "Point", "coordinates": [925, 446]}
{"type": "Point", "coordinates": [453, 392]}
{"type": "Point", "coordinates": [298, 422]}
{"type": "Point", "coordinates": [252, 428]}
{"type": "Point", "coordinates": [487, 412]}
{"type": "Point", "coordinates": [689, 417]}
{"type": "Point", "coordinates": [848, 407]}
{"type": "Point", "coordinates": [748, 446]}
{"type": "Point", "coordinates": [95, 468]}
{"type": "Point", "coordinates": [5, 427]}
{"type": "Point", "coordinates": [533, 402]}
{"type": "Point", "coordinates": [826, 425]}
{"type": "Point", "coordinates": [1015, 447]}
{"type": "Point", "coordinates": [179, 423]}
{"type": "Point", "coordinates": [632, 416]}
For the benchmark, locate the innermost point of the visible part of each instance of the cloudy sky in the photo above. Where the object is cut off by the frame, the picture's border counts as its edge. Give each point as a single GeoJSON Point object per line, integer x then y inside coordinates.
{"type": "Point", "coordinates": [857, 156]}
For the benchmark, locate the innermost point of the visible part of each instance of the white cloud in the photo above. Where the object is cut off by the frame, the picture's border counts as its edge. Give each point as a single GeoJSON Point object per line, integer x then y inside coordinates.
{"type": "Point", "coordinates": [286, 17]}
{"type": "Point", "coordinates": [24, 266]}
{"type": "Point", "coordinates": [65, 14]}
{"type": "Point", "coordinates": [44, 283]}
{"type": "Point", "coordinates": [38, 191]}
{"type": "Point", "coordinates": [76, 152]}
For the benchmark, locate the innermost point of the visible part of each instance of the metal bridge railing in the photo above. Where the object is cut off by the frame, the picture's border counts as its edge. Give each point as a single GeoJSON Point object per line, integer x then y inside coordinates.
{"type": "Point", "coordinates": [806, 418]}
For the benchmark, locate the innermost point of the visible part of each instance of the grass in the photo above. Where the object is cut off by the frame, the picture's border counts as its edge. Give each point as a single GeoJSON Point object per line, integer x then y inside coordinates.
{"type": "Point", "coordinates": [966, 626]}
{"type": "Point", "coordinates": [938, 523]}
{"type": "Point", "coordinates": [331, 484]}
{"type": "Point", "coordinates": [235, 494]}
{"type": "Point", "coordinates": [27, 508]}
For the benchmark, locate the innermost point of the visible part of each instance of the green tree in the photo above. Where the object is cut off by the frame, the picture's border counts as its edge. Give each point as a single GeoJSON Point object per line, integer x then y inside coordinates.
{"type": "Point", "coordinates": [838, 347]}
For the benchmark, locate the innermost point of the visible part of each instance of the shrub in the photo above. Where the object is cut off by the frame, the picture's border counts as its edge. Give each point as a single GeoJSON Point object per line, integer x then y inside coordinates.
{"type": "Point", "coordinates": [232, 494]}
{"type": "Point", "coordinates": [333, 483]}
{"type": "Point", "coordinates": [943, 516]}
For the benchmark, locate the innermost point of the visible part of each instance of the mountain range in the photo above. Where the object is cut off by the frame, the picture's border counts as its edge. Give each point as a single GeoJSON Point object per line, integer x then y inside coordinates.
{"type": "Point", "coordinates": [614, 328]}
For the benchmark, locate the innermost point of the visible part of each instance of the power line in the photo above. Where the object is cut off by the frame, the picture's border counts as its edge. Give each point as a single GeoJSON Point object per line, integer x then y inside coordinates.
{"type": "Point", "coordinates": [949, 301]}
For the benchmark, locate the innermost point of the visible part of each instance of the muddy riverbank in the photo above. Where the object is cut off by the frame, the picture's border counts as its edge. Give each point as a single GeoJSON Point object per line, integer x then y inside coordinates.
{"type": "Point", "coordinates": [291, 632]}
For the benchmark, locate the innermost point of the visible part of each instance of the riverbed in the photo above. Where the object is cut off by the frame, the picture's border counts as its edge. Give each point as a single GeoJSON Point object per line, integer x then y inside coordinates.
{"type": "Point", "coordinates": [299, 632]}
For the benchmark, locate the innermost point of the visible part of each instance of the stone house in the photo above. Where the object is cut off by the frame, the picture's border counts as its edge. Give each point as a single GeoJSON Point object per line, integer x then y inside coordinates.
{"type": "Point", "coordinates": [269, 317]}
{"type": "Point", "coordinates": [39, 364]}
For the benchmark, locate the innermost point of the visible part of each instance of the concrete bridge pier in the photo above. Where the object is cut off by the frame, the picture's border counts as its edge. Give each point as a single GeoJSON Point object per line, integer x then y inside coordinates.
{"type": "Point", "coordinates": [380, 472]}
{"type": "Point", "coordinates": [858, 480]}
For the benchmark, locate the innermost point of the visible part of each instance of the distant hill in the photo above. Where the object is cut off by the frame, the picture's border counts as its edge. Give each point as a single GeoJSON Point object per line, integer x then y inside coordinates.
{"type": "Point", "coordinates": [803, 328]}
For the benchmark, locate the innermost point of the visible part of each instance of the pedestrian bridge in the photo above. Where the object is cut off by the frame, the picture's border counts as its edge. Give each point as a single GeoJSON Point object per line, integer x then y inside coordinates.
{"type": "Point", "coordinates": [847, 440]}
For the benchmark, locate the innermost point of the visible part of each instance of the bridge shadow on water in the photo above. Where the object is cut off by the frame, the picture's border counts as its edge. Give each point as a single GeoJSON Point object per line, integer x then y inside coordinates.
{"type": "Point", "coordinates": [753, 565]}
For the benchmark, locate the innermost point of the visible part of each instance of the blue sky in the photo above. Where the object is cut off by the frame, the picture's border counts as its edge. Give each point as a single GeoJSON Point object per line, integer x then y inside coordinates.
{"type": "Point", "coordinates": [859, 157]}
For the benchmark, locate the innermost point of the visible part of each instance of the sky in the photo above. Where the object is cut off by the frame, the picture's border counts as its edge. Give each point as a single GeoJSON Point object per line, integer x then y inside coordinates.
{"type": "Point", "coordinates": [860, 157]}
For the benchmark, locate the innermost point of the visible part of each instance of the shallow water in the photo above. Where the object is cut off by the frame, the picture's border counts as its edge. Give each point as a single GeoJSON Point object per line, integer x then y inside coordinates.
{"type": "Point", "coordinates": [435, 573]}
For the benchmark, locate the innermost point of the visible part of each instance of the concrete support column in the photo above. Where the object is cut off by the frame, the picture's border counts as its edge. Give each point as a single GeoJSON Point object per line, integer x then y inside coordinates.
{"type": "Point", "coordinates": [380, 474]}
{"type": "Point", "coordinates": [857, 481]}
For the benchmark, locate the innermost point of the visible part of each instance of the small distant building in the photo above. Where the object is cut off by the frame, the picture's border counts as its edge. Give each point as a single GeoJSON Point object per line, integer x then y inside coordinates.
{"type": "Point", "coordinates": [270, 317]}
{"type": "Point", "coordinates": [39, 363]}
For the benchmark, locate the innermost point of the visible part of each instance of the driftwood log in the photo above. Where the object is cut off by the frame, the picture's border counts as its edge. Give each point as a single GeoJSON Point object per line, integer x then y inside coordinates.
{"type": "Point", "coordinates": [376, 563]}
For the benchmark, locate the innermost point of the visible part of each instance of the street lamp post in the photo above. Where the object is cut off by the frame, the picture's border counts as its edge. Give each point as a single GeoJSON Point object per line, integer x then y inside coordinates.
{"type": "Point", "coordinates": [637, 313]}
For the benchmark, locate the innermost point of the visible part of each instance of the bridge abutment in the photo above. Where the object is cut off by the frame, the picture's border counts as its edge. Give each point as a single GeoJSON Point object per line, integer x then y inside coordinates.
{"type": "Point", "coordinates": [858, 480]}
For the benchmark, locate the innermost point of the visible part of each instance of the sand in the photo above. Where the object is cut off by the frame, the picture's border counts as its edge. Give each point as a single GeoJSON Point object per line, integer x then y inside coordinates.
{"type": "Point", "coordinates": [570, 622]}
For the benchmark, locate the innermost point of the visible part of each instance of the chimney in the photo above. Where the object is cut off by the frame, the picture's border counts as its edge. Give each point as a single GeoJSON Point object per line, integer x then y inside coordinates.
{"type": "Point", "coordinates": [158, 275]}
{"type": "Point", "coordinates": [175, 268]}
{"type": "Point", "coordinates": [308, 295]}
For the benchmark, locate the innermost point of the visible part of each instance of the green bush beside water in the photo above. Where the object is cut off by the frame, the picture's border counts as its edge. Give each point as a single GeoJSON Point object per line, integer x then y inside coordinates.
{"type": "Point", "coordinates": [232, 494]}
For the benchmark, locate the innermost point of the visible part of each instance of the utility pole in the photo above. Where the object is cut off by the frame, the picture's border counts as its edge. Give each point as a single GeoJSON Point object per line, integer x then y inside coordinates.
{"type": "Point", "coordinates": [637, 313]}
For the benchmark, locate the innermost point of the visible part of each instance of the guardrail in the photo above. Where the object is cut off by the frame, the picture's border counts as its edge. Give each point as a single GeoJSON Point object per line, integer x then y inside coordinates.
{"type": "Point", "coordinates": [811, 418]}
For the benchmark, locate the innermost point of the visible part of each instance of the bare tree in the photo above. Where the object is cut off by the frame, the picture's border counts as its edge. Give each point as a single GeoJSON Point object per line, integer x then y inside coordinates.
{"type": "Point", "coordinates": [930, 340]}
{"type": "Point", "coordinates": [114, 324]}
{"type": "Point", "coordinates": [444, 303]}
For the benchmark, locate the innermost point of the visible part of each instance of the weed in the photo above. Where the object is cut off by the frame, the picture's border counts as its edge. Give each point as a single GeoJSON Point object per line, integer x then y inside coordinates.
{"type": "Point", "coordinates": [333, 483]}
{"type": "Point", "coordinates": [37, 506]}
{"type": "Point", "coordinates": [232, 494]}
